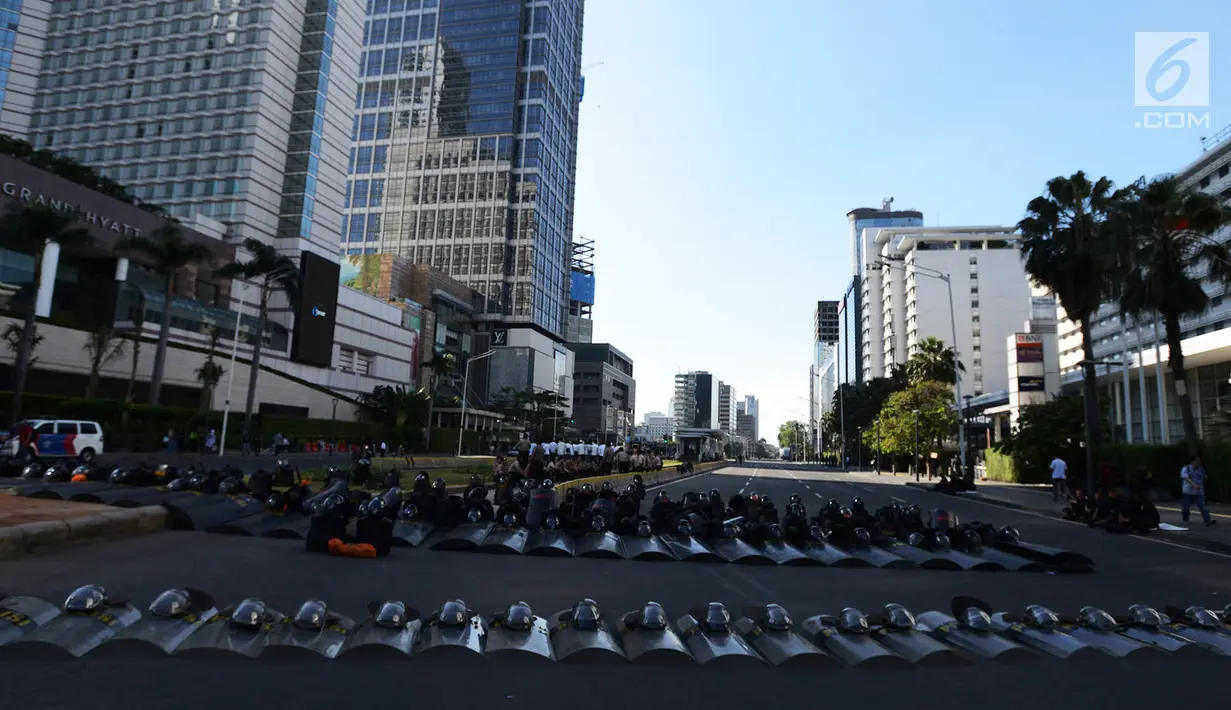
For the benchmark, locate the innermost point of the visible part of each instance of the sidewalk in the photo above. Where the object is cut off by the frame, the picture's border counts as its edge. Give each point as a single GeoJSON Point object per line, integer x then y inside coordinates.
{"type": "Point", "coordinates": [1038, 499]}
{"type": "Point", "coordinates": [39, 525]}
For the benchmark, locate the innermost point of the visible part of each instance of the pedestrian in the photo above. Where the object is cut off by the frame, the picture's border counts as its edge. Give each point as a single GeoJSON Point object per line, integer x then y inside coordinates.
{"type": "Point", "coordinates": [1059, 479]}
{"type": "Point", "coordinates": [246, 440]}
{"type": "Point", "coordinates": [169, 441]}
{"type": "Point", "coordinates": [1193, 487]}
{"type": "Point", "coordinates": [211, 440]}
{"type": "Point", "coordinates": [384, 449]}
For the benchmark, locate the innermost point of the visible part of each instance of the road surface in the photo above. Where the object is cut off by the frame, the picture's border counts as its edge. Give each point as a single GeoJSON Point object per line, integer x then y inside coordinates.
{"type": "Point", "coordinates": [1130, 570]}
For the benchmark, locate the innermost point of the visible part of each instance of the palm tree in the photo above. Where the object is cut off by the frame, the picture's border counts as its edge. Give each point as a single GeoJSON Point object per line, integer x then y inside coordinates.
{"type": "Point", "coordinates": [138, 326]}
{"type": "Point", "coordinates": [209, 374]}
{"type": "Point", "coordinates": [103, 346]}
{"type": "Point", "coordinates": [933, 362]}
{"type": "Point", "coordinates": [166, 250]}
{"type": "Point", "coordinates": [277, 273]}
{"type": "Point", "coordinates": [1070, 247]}
{"type": "Point", "coordinates": [1171, 227]}
{"type": "Point", "coordinates": [28, 230]}
{"type": "Point", "coordinates": [441, 365]}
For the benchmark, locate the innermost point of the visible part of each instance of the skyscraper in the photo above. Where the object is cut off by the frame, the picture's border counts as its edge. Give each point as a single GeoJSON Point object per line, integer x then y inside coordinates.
{"type": "Point", "coordinates": [464, 148]}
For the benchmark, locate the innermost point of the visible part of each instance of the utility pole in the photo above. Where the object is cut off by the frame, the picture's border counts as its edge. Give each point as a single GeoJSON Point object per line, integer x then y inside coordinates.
{"type": "Point", "coordinates": [916, 413]}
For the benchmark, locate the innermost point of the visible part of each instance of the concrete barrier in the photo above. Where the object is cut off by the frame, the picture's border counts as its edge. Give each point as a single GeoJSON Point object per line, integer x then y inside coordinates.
{"type": "Point", "coordinates": [52, 535]}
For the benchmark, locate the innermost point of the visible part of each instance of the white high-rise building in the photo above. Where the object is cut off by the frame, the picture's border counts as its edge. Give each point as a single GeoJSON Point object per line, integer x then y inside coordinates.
{"type": "Point", "coordinates": [727, 399]}
{"type": "Point", "coordinates": [906, 302]}
{"type": "Point", "coordinates": [657, 425]}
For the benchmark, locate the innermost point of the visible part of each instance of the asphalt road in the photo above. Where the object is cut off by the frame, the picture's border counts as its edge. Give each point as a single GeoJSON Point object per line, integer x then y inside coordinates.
{"type": "Point", "coordinates": [1130, 570]}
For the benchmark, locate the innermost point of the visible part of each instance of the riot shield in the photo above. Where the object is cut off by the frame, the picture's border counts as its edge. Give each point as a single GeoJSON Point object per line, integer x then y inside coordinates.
{"type": "Point", "coordinates": [854, 648]}
{"type": "Point", "coordinates": [831, 556]}
{"type": "Point", "coordinates": [1162, 640]}
{"type": "Point", "coordinates": [291, 526]}
{"type": "Point", "coordinates": [1109, 642]}
{"type": "Point", "coordinates": [171, 619]}
{"type": "Point", "coordinates": [549, 543]}
{"type": "Point", "coordinates": [576, 642]}
{"type": "Point", "coordinates": [979, 642]}
{"type": "Point", "coordinates": [709, 645]}
{"type": "Point", "coordinates": [411, 533]}
{"type": "Point", "coordinates": [897, 630]}
{"type": "Point", "coordinates": [1006, 561]}
{"type": "Point", "coordinates": [876, 557]}
{"type": "Point", "coordinates": [391, 629]}
{"type": "Point", "coordinates": [312, 632]}
{"type": "Point", "coordinates": [1212, 640]}
{"type": "Point", "coordinates": [124, 496]}
{"type": "Point", "coordinates": [1050, 640]}
{"type": "Point", "coordinates": [464, 537]}
{"type": "Point", "coordinates": [62, 491]}
{"type": "Point", "coordinates": [654, 640]}
{"type": "Point", "coordinates": [230, 633]}
{"type": "Point", "coordinates": [605, 544]}
{"type": "Point", "coordinates": [779, 647]}
{"type": "Point", "coordinates": [650, 548]}
{"type": "Point", "coordinates": [74, 634]}
{"type": "Point", "coordinates": [531, 639]}
{"type": "Point", "coordinates": [542, 500]}
{"type": "Point", "coordinates": [1054, 557]}
{"type": "Point", "coordinates": [733, 549]}
{"type": "Point", "coordinates": [784, 553]}
{"type": "Point", "coordinates": [19, 616]}
{"type": "Point", "coordinates": [505, 540]}
{"type": "Point", "coordinates": [261, 525]}
{"type": "Point", "coordinates": [687, 548]}
{"type": "Point", "coordinates": [208, 511]}
{"type": "Point", "coordinates": [468, 638]}
{"type": "Point", "coordinates": [926, 559]}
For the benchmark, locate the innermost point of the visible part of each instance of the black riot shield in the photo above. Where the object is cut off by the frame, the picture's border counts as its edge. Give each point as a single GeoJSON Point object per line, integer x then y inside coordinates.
{"type": "Point", "coordinates": [262, 525]}
{"type": "Point", "coordinates": [549, 543]}
{"type": "Point", "coordinates": [391, 629]}
{"type": "Point", "coordinates": [464, 537]}
{"type": "Point", "coordinates": [605, 544]}
{"type": "Point", "coordinates": [876, 557]}
{"type": "Point", "coordinates": [1054, 557]}
{"type": "Point", "coordinates": [62, 491]}
{"type": "Point", "coordinates": [649, 548]}
{"type": "Point", "coordinates": [926, 559]}
{"type": "Point", "coordinates": [541, 501]}
{"type": "Point", "coordinates": [309, 634]}
{"type": "Point", "coordinates": [687, 548]}
{"type": "Point", "coordinates": [208, 511]}
{"type": "Point", "coordinates": [20, 616]}
{"type": "Point", "coordinates": [410, 533]}
{"type": "Point", "coordinates": [290, 525]}
{"type": "Point", "coordinates": [72, 635]}
{"type": "Point", "coordinates": [831, 556]}
{"type": "Point", "coordinates": [1006, 561]}
{"type": "Point", "coordinates": [733, 549]}
{"type": "Point", "coordinates": [784, 553]}
{"type": "Point", "coordinates": [126, 496]}
{"type": "Point", "coordinates": [505, 540]}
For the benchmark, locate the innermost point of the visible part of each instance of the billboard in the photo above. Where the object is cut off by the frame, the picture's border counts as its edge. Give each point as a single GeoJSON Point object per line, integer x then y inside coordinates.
{"type": "Point", "coordinates": [312, 343]}
{"type": "Point", "coordinates": [582, 290]}
{"type": "Point", "coordinates": [1030, 352]}
{"type": "Point", "coordinates": [361, 272]}
{"type": "Point", "coordinates": [1030, 383]}
{"type": "Point", "coordinates": [828, 321]}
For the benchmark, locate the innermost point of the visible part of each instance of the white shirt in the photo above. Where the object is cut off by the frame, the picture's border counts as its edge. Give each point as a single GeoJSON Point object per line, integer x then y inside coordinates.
{"type": "Point", "coordinates": [602, 449]}
{"type": "Point", "coordinates": [592, 449]}
{"type": "Point", "coordinates": [1058, 468]}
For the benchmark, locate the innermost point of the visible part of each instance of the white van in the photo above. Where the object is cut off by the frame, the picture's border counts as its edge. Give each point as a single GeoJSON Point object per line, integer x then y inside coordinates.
{"type": "Point", "coordinates": [58, 438]}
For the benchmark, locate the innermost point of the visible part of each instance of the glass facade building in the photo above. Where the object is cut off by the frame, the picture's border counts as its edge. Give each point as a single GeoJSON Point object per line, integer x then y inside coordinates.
{"type": "Point", "coordinates": [464, 143]}
{"type": "Point", "coordinates": [10, 21]}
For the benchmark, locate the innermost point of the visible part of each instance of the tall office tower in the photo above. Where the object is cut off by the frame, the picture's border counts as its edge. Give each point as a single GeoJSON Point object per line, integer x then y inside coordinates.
{"type": "Point", "coordinates": [726, 408]}
{"type": "Point", "coordinates": [464, 151]}
{"type": "Point", "coordinates": [228, 109]}
{"type": "Point", "coordinates": [581, 293]}
{"type": "Point", "coordinates": [23, 38]}
{"type": "Point", "coordinates": [752, 407]}
{"type": "Point", "coordinates": [861, 255]}
{"type": "Point", "coordinates": [695, 401]}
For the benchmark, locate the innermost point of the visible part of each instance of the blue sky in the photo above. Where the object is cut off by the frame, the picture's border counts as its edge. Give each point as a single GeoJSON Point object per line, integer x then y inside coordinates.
{"type": "Point", "coordinates": [722, 144]}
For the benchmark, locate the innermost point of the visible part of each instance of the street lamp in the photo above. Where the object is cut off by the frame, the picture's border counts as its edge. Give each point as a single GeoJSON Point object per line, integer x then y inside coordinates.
{"type": "Point", "coordinates": [465, 380]}
{"type": "Point", "coordinates": [859, 445]}
{"type": "Point", "coordinates": [878, 446]}
{"type": "Point", "coordinates": [1092, 364]}
{"type": "Point", "coordinates": [916, 413]}
{"type": "Point", "coordinates": [957, 370]}
{"type": "Point", "coordinates": [966, 424]}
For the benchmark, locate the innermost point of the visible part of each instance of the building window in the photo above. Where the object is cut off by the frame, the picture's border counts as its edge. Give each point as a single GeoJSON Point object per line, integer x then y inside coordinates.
{"type": "Point", "coordinates": [346, 360]}
{"type": "Point", "coordinates": [363, 363]}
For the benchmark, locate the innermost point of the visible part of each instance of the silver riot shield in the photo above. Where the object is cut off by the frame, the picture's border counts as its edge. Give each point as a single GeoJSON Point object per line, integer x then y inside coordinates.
{"type": "Point", "coordinates": [710, 646]}
{"type": "Point", "coordinates": [570, 642]}
{"type": "Point", "coordinates": [856, 650]}
{"type": "Point", "coordinates": [784, 553]}
{"type": "Point", "coordinates": [652, 645]}
{"type": "Point", "coordinates": [464, 537]}
{"type": "Point", "coordinates": [549, 543]}
{"type": "Point", "coordinates": [20, 616]}
{"type": "Point", "coordinates": [916, 647]}
{"type": "Point", "coordinates": [1012, 563]}
{"type": "Point", "coordinates": [921, 557]}
{"type": "Point", "coordinates": [1212, 640]}
{"type": "Point", "coordinates": [982, 643]}
{"type": "Point", "coordinates": [733, 549]}
{"type": "Point", "coordinates": [542, 501]}
{"type": "Point", "coordinates": [410, 533]}
{"type": "Point", "coordinates": [533, 642]}
{"type": "Point", "coordinates": [438, 638]}
{"type": "Point", "coordinates": [831, 556]}
{"type": "Point", "coordinates": [781, 648]}
{"type": "Point", "coordinates": [1049, 640]}
{"type": "Point", "coordinates": [876, 557]}
{"type": "Point", "coordinates": [606, 545]}
{"type": "Point", "coordinates": [390, 630]}
{"type": "Point", "coordinates": [324, 639]}
{"type": "Point", "coordinates": [74, 634]}
{"type": "Point", "coordinates": [154, 636]}
{"type": "Point", "coordinates": [1107, 641]}
{"type": "Point", "coordinates": [505, 540]}
{"type": "Point", "coordinates": [1161, 639]}
{"type": "Point", "coordinates": [222, 638]}
{"type": "Point", "coordinates": [687, 548]}
{"type": "Point", "coordinates": [650, 549]}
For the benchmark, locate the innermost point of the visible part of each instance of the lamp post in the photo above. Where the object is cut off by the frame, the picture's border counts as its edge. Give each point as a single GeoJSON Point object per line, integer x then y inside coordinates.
{"type": "Point", "coordinates": [859, 446]}
{"type": "Point", "coordinates": [916, 413]}
{"type": "Point", "coordinates": [465, 382]}
{"type": "Point", "coordinates": [226, 408]}
{"type": "Point", "coordinates": [1093, 365]}
{"type": "Point", "coordinates": [957, 370]}
{"type": "Point", "coordinates": [966, 424]}
{"type": "Point", "coordinates": [878, 446]}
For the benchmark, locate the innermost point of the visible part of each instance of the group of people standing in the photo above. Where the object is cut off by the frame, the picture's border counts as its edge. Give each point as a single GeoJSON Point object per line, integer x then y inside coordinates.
{"type": "Point", "coordinates": [1128, 508]}
{"type": "Point", "coordinates": [562, 460]}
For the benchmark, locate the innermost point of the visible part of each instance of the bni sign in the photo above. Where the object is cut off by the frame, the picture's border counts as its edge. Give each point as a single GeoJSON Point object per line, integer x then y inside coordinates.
{"type": "Point", "coordinates": [1171, 71]}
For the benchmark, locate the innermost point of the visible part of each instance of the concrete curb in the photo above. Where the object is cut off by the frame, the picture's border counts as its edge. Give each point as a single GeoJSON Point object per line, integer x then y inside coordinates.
{"type": "Point", "coordinates": [1190, 539]}
{"type": "Point", "coordinates": [52, 535]}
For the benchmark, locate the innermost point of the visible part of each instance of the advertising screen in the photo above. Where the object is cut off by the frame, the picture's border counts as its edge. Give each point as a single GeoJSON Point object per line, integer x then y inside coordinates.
{"type": "Point", "coordinates": [583, 288]}
{"type": "Point", "coordinates": [312, 343]}
{"type": "Point", "coordinates": [1030, 352]}
{"type": "Point", "coordinates": [1030, 384]}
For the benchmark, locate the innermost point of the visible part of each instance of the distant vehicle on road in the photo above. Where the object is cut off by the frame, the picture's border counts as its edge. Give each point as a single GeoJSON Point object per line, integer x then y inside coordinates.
{"type": "Point", "coordinates": [56, 438]}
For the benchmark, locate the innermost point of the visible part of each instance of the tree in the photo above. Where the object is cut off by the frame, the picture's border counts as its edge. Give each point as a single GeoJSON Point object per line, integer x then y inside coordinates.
{"type": "Point", "coordinates": [398, 408]}
{"type": "Point", "coordinates": [13, 334]}
{"type": "Point", "coordinates": [1071, 246]}
{"type": "Point", "coordinates": [1043, 432]}
{"type": "Point", "coordinates": [209, 374]}
{"type": "Point", "coordinates": [138, 326]}
{"type": "Point", "coordinates": [933, 361]}
{"type": "Point", "coordinates": [28, 230]}
{"type": "Point", "coordinates": [103, 345]}
{"type": "Point", "coordinates": [792, 434]}
{"type": "Point", "coordinates": [441, 366]}
{"type": "Point", "coordinates": [934, 402]}
{"type": "Point", "coordinates": [167, 252]}
{"type": "Point", "coordinates": [1172, 250]}
{"type": "Point", "coordinates": [859, 404]}
{"type": "Point", "coordinates": [536, 410]}
{"type": "Point", "coordinates": [276, 273]}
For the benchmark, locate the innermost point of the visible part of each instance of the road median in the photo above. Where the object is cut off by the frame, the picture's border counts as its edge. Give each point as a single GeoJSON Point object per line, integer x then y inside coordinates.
{"type": "Point", "coordinates": [35, 525]}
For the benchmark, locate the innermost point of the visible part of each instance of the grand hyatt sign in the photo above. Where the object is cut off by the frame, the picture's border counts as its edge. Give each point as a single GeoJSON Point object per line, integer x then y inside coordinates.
{"type": "Point", "coordinates": [24, 194]}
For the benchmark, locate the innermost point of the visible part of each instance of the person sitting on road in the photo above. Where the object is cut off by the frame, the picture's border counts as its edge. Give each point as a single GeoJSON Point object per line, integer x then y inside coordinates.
{"type": "Point", "coordinates": [1081, 507]}
{"type": "Point", "coordinates": [500, 469]}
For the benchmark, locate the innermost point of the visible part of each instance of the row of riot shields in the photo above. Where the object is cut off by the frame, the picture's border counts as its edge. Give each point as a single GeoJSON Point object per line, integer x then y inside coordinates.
{"type": "Point", "coordinates": [188, 623]}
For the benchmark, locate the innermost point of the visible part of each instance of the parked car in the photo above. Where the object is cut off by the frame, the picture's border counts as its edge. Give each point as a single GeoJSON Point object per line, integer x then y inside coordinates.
{"type": "Point", "coordinates": [59, 438]}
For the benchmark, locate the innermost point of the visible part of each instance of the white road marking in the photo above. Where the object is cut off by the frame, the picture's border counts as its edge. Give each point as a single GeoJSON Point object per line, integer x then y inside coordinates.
{"type": "Point", "coordinates": [807, 486]}
{"type": "Point", "coordinates": [741, 491]}
{"type": "Point", "coordinates": [818, 495]}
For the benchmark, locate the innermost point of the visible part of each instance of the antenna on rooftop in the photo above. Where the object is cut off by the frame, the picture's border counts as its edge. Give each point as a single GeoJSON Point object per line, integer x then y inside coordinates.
{"type": "Point", "coordinates": [886, 204]}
